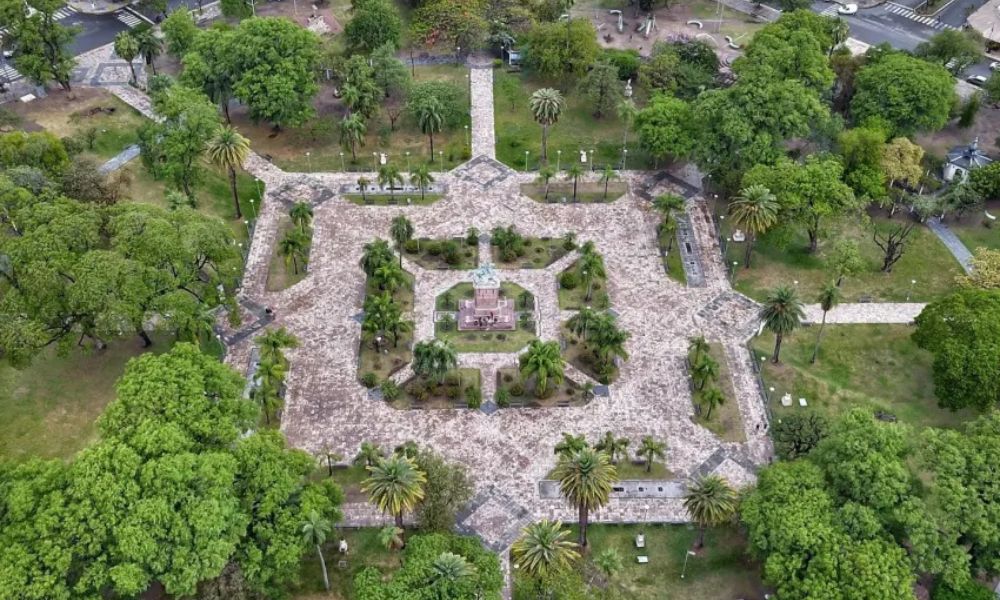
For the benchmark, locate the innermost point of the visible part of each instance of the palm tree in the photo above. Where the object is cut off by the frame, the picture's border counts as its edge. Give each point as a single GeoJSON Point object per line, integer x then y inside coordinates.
{"type": "Point", "coordinates": [627, 112]}
{"type": "Point", "coordinates": [301, 214]}
{"type": "Point", "coordinates": [607, 175]}
{"type": "Point", "coordinates": [698, 345]}
{"type": "Point", "coordinates": [401, 231]}
{"type": "Point", "coordinates": [591, 266]}
{"type": "Point", "coordinates": [583, 322]}
{"type": "Point", "coordinates": [447, 570]}
{"type": "Point", "coordinates": [395, 485]}
{"type": "Point", "coordinates": [543, 548]}
{"type": "Point", "coordinates": [369, 455]}
{"type": "Point", "coordinates": [710, 502]}
{"type": "Point", "coordinates": [615, 448]}
{"type": "Point", "coordinates": [375, 254]}
{"type": "Point", "coordinates": [352, 133]}
{"type": "Point", "coordinates": [363, 185]}
{"type": "Point", "coordinates": [409, 448]}
{"type": "Point", "coordinates": [150, 46]}
{"type": "Point", "coordinates": [782, 314]}
{"type": "Point", "coordinates": [272, 342]}
{"type": "Point", "coordinates": [755, 209]}
{"type": "Point", "coordinates": [573, 172]}
{"type": "Point", "coordinates": [569, 444]}
{"type": "Point", "coordinates": [391, 537]}
{"type": "Point", "coordinates": [388, 175]}
{"type": "Point", "coordinates": [706, 369]}
{"type": "Point", "coordinates": [545, 362]}
{"type": "Point", "coordinates": [650, 449]}
{"type": "Point", "coordinates": [388, 277]}
{"type": "Point", "coordinates": [421, 177]}
{"type": "Point", "coordinates": [609, 561]}
{"type": "Point", "coordinates": [545, 175]}
{"type": "Point", "coordinates": [434, 359]}
{"type": "Point", "coordinates": [229, 150]}
{"type": "Point", "coordinates": [293, 248]}
{"type": "Point", "coordinates": [430, 118]}
{"type": "Point", "coordinates": [829, 296]}
{"type": "Point", "coordinates": [609, 342]}
{"type": "Point", "coordinates": [585, 480]}
{"type": "Point", "coordinates": [711, 398]}
{"type": "Point", "coordinates": [127, 48]}
{"type": "Point", "coordinates": [315, 530]}
{"type": "Point", "coordinates": [267, 396]}
{"type": "Point", "coordinates": [546, 106]}
{"type": "Point", "coordinates": [667, 204]}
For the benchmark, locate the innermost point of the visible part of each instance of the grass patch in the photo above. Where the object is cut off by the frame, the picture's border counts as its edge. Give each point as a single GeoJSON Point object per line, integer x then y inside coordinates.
{"type": "Point", "coordinates": [451, 393]}
{"type": "Point", "coordinates": [364, 550]}
{"type": "Point", "coordinates": [403, 296]}
{"type": "Point", "coordinates": [567, 394]}
{"type": "Point", "coordinates": [576, 130]}
{"type": "Point", "coordinates": [876, 366]}
{"type": "Point", "coordinates": [486, 341]}
{"type": "Point", "coordinates": [671, 256]}
{"type": "Point", "coordinates": [321, 140]}
{"type": "Point", "coordinates": [50, 407]}
{"type": "Point", "coordinates": [576, 298]}
{"type": "Point", "coordinates": [430, 254]}
{"type": "Point", "coordinates": [400, 199]}
{"type": "Point", "coordinates": [579, 354]}
{"type": "Point", "coordinates": [349, 479]}
{"type": "Point", "coordinates": [586, 192]}
{"type": "Point", "coordinates": [976, 231]}
{"type": "Point", "coordinates": [720, 571]}
{"type": "Point", "coordinates": [282, 273]}
{"type": "Point", "coordinates": [725, 421]}
{"type": "Point", "coordinates": [925, 260]}
{"type": "Point", "coordinates": [538, 254]}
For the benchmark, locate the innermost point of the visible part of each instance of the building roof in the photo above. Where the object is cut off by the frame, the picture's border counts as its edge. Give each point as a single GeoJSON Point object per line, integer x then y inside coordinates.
{"type": "Point", "coordinates": [968, 157]}
{"type": "Point", "coordinates": [486, 276]}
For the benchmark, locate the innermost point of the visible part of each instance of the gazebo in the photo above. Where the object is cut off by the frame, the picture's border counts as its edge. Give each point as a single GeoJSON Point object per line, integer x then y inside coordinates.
{"type": "Point", "coordinates": [962, 159]}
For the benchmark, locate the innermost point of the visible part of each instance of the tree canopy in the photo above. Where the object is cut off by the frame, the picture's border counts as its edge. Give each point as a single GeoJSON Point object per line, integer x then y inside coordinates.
{"type": "Point", "coordinates": [910, 94]}
{"type": "Point", "coordinates": [561, 48]}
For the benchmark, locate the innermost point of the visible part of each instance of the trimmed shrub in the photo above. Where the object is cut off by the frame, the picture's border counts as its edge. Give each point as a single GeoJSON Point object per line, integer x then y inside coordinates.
{"type": "Point", "coordinates": [369, 380]}
{"type": "Point", "coordinates": [569, 280]}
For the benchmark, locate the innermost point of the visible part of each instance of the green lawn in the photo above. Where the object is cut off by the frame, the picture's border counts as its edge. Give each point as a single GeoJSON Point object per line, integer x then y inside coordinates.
{"type": "Point", "coordinates": [977, 231]}
{"type": "Point", "coordinates": [486, 341]}
{"type": "Point", "coordinates": [576, 298]}
{"type": "Point", "coordinates": [400, 199]}
{"type": "Point", "coordinates": [725, 420]}
{"type": "Point", "coordinates": [721, 570]}
{"type": "Point", "coordinates": [50, 408]}
{"type": "Point", "coordinates": [321, 140]}
{"type": "Point", "coordinates": [925, 261]}
{"type": "Point", "coordinates": [576, 130]}
{"type": "Point", "coordinates": [672, 259]}
{"type": "Point", "coordinates": [876, 366]}
{"type": "Point", "coordinates": [281, 273]}
{"type": "Point", "coordinates": [428, 254]}
{"type": "Point", "coordinates": [562, 191]}
{"type": "Point", "coordinates": [538, 254]}
{"type": "Point", "coordinates": [364, 550]}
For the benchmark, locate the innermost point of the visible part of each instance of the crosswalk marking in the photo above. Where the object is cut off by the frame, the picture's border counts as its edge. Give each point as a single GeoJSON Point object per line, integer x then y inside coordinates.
{"type": "Point", "coordinates": [64, 13]}
{"type": "Point", "coordinates": [909, 14]}
{"type": "Point", "coordinates": [7, 73]}
{"type": "Point", "coordinates": [829, 12]}
{"type": "Point", "coordinates": [128, 18]}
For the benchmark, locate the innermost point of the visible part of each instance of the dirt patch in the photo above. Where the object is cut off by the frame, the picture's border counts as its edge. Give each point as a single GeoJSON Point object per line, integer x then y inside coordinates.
{"type": "Point", "coordinates": [985, 127]}
{"type": "Point", "coordinates": [56, 111]}
{"type": "Point", "coordinates": [306, 14]}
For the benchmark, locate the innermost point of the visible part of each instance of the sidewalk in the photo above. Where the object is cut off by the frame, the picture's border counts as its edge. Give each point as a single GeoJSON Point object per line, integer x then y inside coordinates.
{"type": "Point", "coordinates": [96, 7]}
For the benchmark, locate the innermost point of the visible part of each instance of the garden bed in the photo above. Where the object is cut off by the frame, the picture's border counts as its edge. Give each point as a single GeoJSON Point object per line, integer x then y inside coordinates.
{"type": "Point", "coordinates": [726, 421]}
{"type": "Point", "coordinates": [486, 341]}
{"type": "Point", "coordinates": [436, 254]}
{"type": "Point", "coordinates": [672, 260]}
{"type": "Point", "coordinates": [576, 298]}
{"type": "Point", "coordinates": [538, 254]}
{"type": "Point", "coordinates": [586, 192]}
{"type": "Point", "coordinates": [391, 359]}
{"type": "Point", "coordinates": [282, 274]}
{"type": "Point", "coordinates": [566, 394]}
{"type": "Point", "coordinates": [400, 199]}
{"type": "Point", "coordinates": [579, 354]}
{"type": "Point", "coordinates": [420, 393]}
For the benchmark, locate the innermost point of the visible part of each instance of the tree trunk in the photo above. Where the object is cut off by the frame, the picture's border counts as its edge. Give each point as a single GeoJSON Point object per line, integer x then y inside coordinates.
{"type": "Point", "coordinates": [590, 288]}
{"type": "Point", "coordinates": [818, 336]}
{"type": "Point", "coordinates": [574, 187]}
{"type": "Point", "coordinates": [363, 197]}
{"type": "Point", "coordinates": [431, 136]}
{"type": "Point", "coordinates": [546, 190]}
{"type": "Point", "coordinates": [329, 464]}
{"type": "Point", "coordinates": [545, 144]}
{"type": "Point", "coordinates": [146, 342]}
{"type": "Point", "coordinates": [422, 188]}
{"type": "Point", "coordinates": [701, 538]}
{"type": "Point", "coordinates": [322, 563]}
{"type": "Point", "coordinates": [236, 194]}
{"type": "Point", "coordinates": [354, 154]}
{"type": "Point", "coordinates": [840, 280]}
{"type": "Point", "coordinates": [225, 110]}
{"type": "Point", "coordinates": [649, 463]}
{"type": "Point", "coordinates": [583, 527]}
{"type": "Point", "coordinates": [748, 252]}
{"type": "Point", "coordinates": [606, 182]}
{"type": "Point", "coordinates": [295, 265]}
{"type": "Point", "coordinates": [399, 519]}
{"type": "Point", "coordinates": [708, 415]}
{"type": "Point", "coordinates": [777, 348]}
{"type": "Point", "coordinates": [813, 239]}
{"type": "Point", "coordinates": [131, 68]}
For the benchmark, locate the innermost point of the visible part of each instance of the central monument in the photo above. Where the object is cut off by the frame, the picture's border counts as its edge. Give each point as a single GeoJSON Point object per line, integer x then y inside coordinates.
{"type": "Point", "coordinates": [488, 309]}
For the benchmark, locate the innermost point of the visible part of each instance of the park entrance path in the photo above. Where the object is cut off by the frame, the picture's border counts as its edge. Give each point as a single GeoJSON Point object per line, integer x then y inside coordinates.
{"type": "Point", "coordinates": [481, 90]}
{"type": "Point", "coordinates": [863, 312]}
{"type": "Point", "coordinates": [952, 243]}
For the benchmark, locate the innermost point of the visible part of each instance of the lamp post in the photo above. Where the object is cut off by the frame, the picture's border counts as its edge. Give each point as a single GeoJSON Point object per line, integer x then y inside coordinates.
{"type": "Point", "coordinates": [407, 161]}
{"type": "Point", "coordinates": [441, 158]}
{"type": "Point", "coordinates": [375, 161]}
{"type": "Point", "coordinates": [591, 159]}
{"type": "Point", "coordinates": [525, 160]}
{"type": "Point", "coordinates": [342, 166]}
{"type": "Point", "coordinates": [247, 225]}
{"type": "Point", "coordinates": [732, 272]}
{"type": "Point", "coordinates": [624, 157]}
{"type": "Point", "coordinates": [309, 160]}
{"type": "Point", "coordinates": [467, 141]}
{"type": "Point", "coordinates": [913, 282]}
{"type": "Point", "coordinates": [558, 160]}
{"type": "Point", "coordinates": [253, 212]}
{"type": "Point", "coordinates": [686, 556]}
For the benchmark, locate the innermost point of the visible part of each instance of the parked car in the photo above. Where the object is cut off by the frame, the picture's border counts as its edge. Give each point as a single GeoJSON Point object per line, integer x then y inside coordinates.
{"type": "Point", "coordinates": [848, 9]}
{"type": "Point", "coordinates": [977, 80]}
{"type": "Point", "coordinates": [995, 66]}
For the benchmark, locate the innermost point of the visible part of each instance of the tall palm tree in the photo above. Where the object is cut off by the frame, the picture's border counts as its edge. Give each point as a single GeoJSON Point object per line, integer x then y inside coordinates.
{"type": "Point", "coordinates": [710, 502]}
{"type": "Point", "coordinates": [585, 480]}
{"type": "Point", "coordinates": [150, 46]}
{"type": "Point", "coordinates": [583, 322]}
{"type": "Point", "coordinates": [315, 530]}
{"type": "Point", "coordinates": [267, 396]}
{"type": "Point", "coordinates": [388, 175]}
{"type": "Point", "coordinates": [229, 150]}
{"type": "Point", "coordinates": [544, 548]}
{"type": "Point", "coordinates": [650, 449]}
{"type": "Point", "coordinates": [609, 561]}
{"type": "Point", "coordinates": [546, 105]}
{"type": "Point", "coordinates": [755, 209]}
{"type": "Point", "coordinates": [293, 248]}
{"type": "Point", "coordinates": [711, 398]}
{"type": "Point", "coordinates": [545, 362]}
{"type": "Point", "coordinates": [447, 570]}
{"type": "Point", "coordinates": [127, 48]}
{"type": "Point", "coordinates": [430, 118]}
{"type": "Point", "coordinates": [434, 359]}
{"type": "Point", "coordinates": [421, 177]}
{"type": "Point", "coordinates": [668, 204]}
{"type": "Point", "coordinates": [375, 254]}
{"type": "Point", "coordinates": [608, 341]}
{"type": "Point", "coordinates": [401, 231]}
{"type": "Point", "coordinates": [388, 277]}
{"type": "Point", "coordinates": [363, 186]}
{"type": "Point", "coordinates": [545, 175]}
{"type": "Point", "coordinates": [627, 112]}
{"type": "Point", "coordinates": [369, 455]}
{"type": "Point", "coordinates": [272, 342]}
{"type": "Point", "coordinates": [301, 214]}
{"type": "Point", "coordinates": [569, 444]}
{"type": "Point", "coordinates": [705, 369]}
{"type": "Point", "coordinates": [615, 447]}
{"type": "Point", "coordinates": [591, 267]}
{"type": "Point", "coordinates": [829, 296]}
{"type": "Point", "coordinates": [607, 176]}
{"type": "Point", "coordinates": [395, 485]}
{"type": "Point", "coordinates": [782, 314]}
{"type": "Point", "coordinates": [352, 133]}
{"type": "Point", "coordinates": [699, 346]}
{"type": "Point", "coordinates": [573, 172]}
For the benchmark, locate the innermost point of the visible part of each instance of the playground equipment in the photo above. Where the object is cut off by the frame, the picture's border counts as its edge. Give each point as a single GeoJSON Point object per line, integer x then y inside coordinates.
{"type": "Point", "coordinates": [621, 21]}
{"type": "Point", "coordinates": [647, 26]}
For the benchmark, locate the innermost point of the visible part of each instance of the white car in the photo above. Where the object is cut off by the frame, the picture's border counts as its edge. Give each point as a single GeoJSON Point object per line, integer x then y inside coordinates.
{"type": "Point", "coordinates": [848, 9]}
{"type": "Point", "coordinates": [977, 80]}
{"type": "Point", "coordinates": [995, 66]}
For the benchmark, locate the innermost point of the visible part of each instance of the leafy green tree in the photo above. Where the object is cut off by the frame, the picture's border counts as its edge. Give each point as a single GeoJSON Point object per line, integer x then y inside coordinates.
{"type": "Point", "coordinates": [651, 449]}
{"type": "Point", "coordinates": [608, 175]}
{"type": "Point", "coordinates": [294, 247]}
{"type": "Point", "coordinates": [616, 448]}
{"type": "Point", "coordinates": [782, 314]}
{"type": "Point", "coordinates": [560, 48]}
{"type": "Point", "coordinates": [352, 135]}
{"type": "Point", "coordinates": [40, 45]}
{"type": "Point", "coordinates": [992, 88]}
{"type": "Point", "coordinates": [396, 486]}
{"type": "Point", "coordinates": [401, 231]}
{"type": "Point", "coordinates": [447, 491]}
{"type": "Point", "coordinates": [779, 53]}
{"type": "Point", "coordinates": [273, 342]}
{"type": "Point", "coordinates": [374, 24]}
{"type": "Point", "coordinates": [901, 161]}
{"type": "Point", "coordinates": [796, 435]}
{"type": "Point", "coordinates": [544, 361]}
{"type": "Point", "coordinates": [452, 100]}
{"type": "Point", "coordinates": [228, 150]}
{"type": "Point", "coordinates": [705, 370]}
{"type": "Point", "coordinates": [127, 48]}
{"type": "Point", "coordinates": [601, 86]}
{"type": "Point", "coordinates": [314, 530]}
{"type": "Point", "coordinates": [388, 175]}
{"type": "Point", "coordinates": [862, 150]}
{"type": "Point", "coordinates": [829, 296]}
{"type": "Point", "coordinates": [545, 175]}
{"type": "Point", "coordinates": [150, 46]}
{"type": "Point", "coordinates": [546, 105]}
{"type": "Point", "coordinates": [610, 562]}
{"type": "Point", "coordinates": [391, 537]}
{"type": "Point", "coordinates": [237, 9]}
{"type": "Point", "coordinates": [179, 31]}
{"type": "Point", "coordinates": [711, 397]}
{"type": "Point", "coordinates": [698, 346]}
{"type": "Point", "coordinates": [573, 173]}
{"type": "Point", "coordinates": [585, 480]}
{"type": "Point", "coordinates": [447, 571]}
{"type": "Point", "coordinates": [301, 214]}
{"type": "Point", "coordinates": [369, 455]}
{"type": "Point", "coordinates": [461, 23]}
{"type": "Point", "coordinates": [208, 66]}
{"type": "Point", "coordinates": [845, 260]}
{"type": "Point", "coordinates": [756, 209]}
{"type": "Point", "coordinates": [374, 255]}
{"type": "Point", "coordinates": [959, 48]}
{"type": "Point", "coordinates": [40, 149]}
{"type": "Point", "coordinates": [909, 93]}
{"type": "Point", "coordinates": [710, 502]}
{"type": "Point", "coordinates": [382, 318]}
{"type": "Point", "coordinates": [570, 444]}
{"type": "Point", "coordinates": [189, 122]}
{"type": "Point", "coordinates": [434, 359]}
{"type": "Point", "coordinates": [664, 127]}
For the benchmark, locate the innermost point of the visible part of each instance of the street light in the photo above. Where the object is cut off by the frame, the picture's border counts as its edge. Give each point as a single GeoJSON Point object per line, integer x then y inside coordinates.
{"type": "Point", "coordinates": [624, 157]}
{"type": "Point", "coordinates": [525, 160]}
{"type": "Point", "coordinates": [591, 159]}
{"type": "Point", "coordinates": [467, 141]}
{"type": "Point", "coordinates": [375, 161]}
{"type": "Point", "coordinates": [686, 556]}
{"type": "Point", "coordinates": [342, 166]}
{"type": "Point", "coordinates": [558, 160]}
{"type": "Point", "coordinates": [407, 161]}
{"type": "Point", "coordinates": [309, 160]}
{"type": "Point", "coordinates": [441, 158]}
{"type": "Point", "coordinates": [247, 223]}
{"type": "Point", "coordinates": [253, 212]}
{"type": "Point", "coordinates": [913, 282]}
{"type": "Point", "coordinates": [732, 272]}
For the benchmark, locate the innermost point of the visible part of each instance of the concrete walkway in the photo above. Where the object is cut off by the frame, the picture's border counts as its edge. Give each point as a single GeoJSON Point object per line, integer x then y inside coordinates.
{"type": "Point", "coordinates": [952, 243]}
{"type": "Point", "coordinates": [863, 312]}
{"type": "Point", "coordinates": [120, 160]}
{"type": "Point", "coordinates": [483, 135]}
